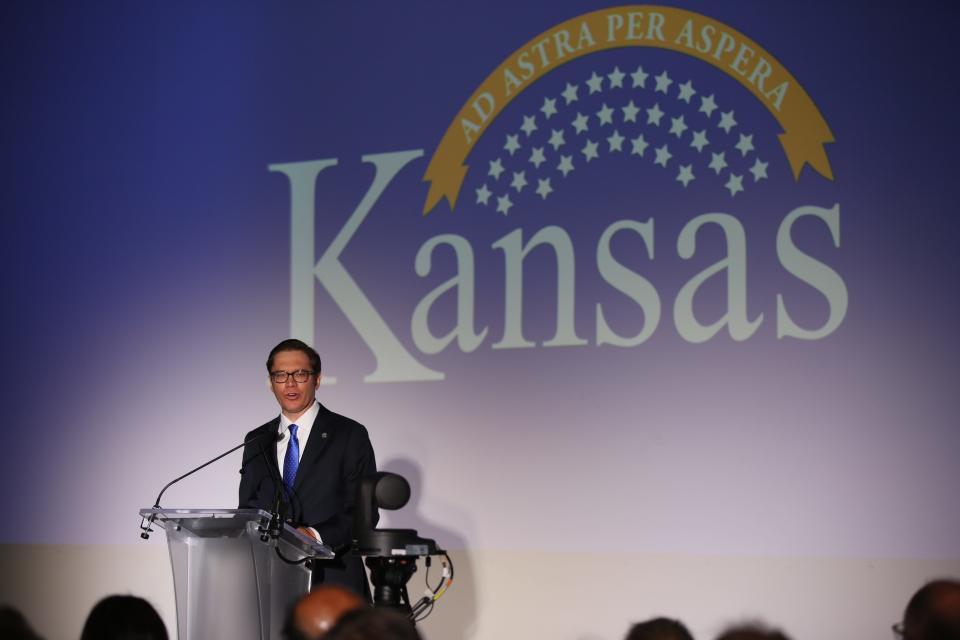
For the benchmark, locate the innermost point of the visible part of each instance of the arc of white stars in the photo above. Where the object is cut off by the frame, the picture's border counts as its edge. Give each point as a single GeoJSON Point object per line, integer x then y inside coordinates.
{"type": "Point", "coordinates": [663, 82]}
{"type": "Point", "coordinates": [605, 115]}
{"type": "Point", "coordinates": [589, 150]}
{"type": "Point", "coordinates": [556, 139]}
{"type": "Point", "coordinates": [543, 187]}
{"type": "Point", "coordinates": [483, 194]}
{"type": "Point", "coordinates": [759, 170]}
{"type": "Point", "coordinates": [529, 125]}
{"type": "Point", "coordinates": [678, 126]}
{"type": "Point", "coordinates": [536, 157]}
{"type": "Point", "coordinates": [513, 143]}
{"type": "Point", "coordinates": [745, 145]}
{"type": "Point", "coordinates": [580, 123]}
{"type": "Point", "coordinates": [615, 141]}
{"type": "Point", "coordinates": [699, 140]}
{"type": "Point", "coordinates": [639, 145]}
{"type": "Point", "coordinates": [504, 203]}
{"type": "Point", "coordinates": [549, 108]}
{"type": "Point", "coordinates": [570, 93]}
{"type": "Point", "coordinates": [519, 180]}
{"type": "Point", "coordinates": [663, 156]}
{"type": "Point", "coordinates": [686, 91]}
{"type": "Point", "coordinates": [718, 162]}
{"type": "Point", "coordinates": [639, 78]}
{"type": "Point", "coordinates": [496, 168]}
{"type": "Point", "coordinates": [654, 114]}
{"type": "Point", "coordinates": [616, 78]}
{"type": "Point", "coordinates": [595, 83]}
{"type": "Point", "coordinates": [726, 121]}
{"type": "Point", "coordinates": [734, 184]}
{"type": "Point", "coordinates": [708, 105]}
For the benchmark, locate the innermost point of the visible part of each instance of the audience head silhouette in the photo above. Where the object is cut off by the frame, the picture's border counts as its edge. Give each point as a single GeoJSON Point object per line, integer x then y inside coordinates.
{"type": "Point", "coordinates": [659, 629]}
{"type": "Point", "coordinates": [13, 626]}
{"type": "Point", "coordinates": [123, 618]}
{"type": "Point", "coordinates": [316, 613]}
{"type": "Point", "coordinates": [753, 631]}
{"type": "Point", "coordinates": [933, 612]}
{"type": "Point", "coordinates": [374, 623]}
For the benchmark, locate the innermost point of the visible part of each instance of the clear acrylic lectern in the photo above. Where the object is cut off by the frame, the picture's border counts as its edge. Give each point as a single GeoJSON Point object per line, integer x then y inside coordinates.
{"type": "Point", "coordinates": [228, 582]}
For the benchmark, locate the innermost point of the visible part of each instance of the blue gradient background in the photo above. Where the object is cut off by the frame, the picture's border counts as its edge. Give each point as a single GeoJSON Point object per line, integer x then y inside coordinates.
{"type": "Point", "coordinates": [146, 275]}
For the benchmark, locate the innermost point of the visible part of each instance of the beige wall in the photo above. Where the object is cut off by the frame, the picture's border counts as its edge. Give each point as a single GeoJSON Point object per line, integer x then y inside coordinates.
{"type": "Point", "coordinates": [504, 595]}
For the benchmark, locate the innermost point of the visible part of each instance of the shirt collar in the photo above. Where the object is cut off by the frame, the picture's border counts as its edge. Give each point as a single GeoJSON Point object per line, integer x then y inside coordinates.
{"type": "Point", "coordinates": [304, 422]}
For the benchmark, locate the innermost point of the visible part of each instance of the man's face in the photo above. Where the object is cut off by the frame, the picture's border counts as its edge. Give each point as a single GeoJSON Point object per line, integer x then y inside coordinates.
{"type": "Point", "coordinates": [294, 397]}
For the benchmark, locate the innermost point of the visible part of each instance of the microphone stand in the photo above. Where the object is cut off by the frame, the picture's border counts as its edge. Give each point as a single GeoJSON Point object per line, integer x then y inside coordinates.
{"type": "Point", "coordinates": [145, 528]}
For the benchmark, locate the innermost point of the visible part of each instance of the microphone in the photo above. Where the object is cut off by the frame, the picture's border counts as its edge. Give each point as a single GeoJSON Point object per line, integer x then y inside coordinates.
{"type": "Point", "coordinates": [145, 524]}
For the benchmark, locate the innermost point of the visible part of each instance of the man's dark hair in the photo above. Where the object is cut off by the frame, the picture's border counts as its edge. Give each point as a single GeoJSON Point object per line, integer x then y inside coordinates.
{"type": "Point", "coordinates": [933, 612]}
{"type": "Point", "coordinates": [123, 618]}
{"type": "Point", "coordinates": [373, 623]}
{"type": "Point", "coordinates": [292, 344]}
{"type": "Point", "coordinates": [659, 629]}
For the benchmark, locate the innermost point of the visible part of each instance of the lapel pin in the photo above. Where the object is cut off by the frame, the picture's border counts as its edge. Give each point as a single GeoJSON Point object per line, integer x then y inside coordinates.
{"type": "Point", "coordinates": [323, 435]}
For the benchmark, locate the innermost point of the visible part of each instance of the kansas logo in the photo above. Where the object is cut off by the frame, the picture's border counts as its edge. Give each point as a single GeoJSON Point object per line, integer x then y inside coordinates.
{"type": "Point", "coordinates": [673, 101]}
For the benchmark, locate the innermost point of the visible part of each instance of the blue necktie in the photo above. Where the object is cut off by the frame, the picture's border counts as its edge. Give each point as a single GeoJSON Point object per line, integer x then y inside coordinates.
{"type": "Point", "coordinates": [292, 458]}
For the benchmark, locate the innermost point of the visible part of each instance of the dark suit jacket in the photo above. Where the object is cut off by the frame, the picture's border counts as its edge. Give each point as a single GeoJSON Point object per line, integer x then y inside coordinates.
{"type": "Point", "coordinates": [337, 455]}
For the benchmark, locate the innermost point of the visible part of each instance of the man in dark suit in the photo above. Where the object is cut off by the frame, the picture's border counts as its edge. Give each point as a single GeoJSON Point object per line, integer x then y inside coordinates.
{"type": "Point", "coordinates": [317, 458]}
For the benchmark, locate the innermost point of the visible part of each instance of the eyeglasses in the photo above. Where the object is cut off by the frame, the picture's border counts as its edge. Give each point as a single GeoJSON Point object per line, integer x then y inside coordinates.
{"type": "Point", "coordinates": [300, 375]}
{"type": "Point", "coordinates": [898, 631]}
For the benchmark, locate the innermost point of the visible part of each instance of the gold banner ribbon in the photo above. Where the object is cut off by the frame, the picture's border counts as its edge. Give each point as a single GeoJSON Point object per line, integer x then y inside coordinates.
{"type": "Point", "coordinates": [804, 129]}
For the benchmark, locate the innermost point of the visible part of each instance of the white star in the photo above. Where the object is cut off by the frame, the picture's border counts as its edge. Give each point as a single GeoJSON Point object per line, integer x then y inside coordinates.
{"type": "Point", "coordinates": [543, 187]}
{"type": "Point", "coordinates": [759, 170]}
{"type": "Point", "coordinates": [589, 150]}
{"type": "Point", "coordinates": [707, 105]}
{"type": "Point", "coordinates": [615, 141]}
{"type": "Point", "coordinates": [556, 139]}
{"type": "Point", "coordinates": [726, 121]}
{"type": "Point", "coordinates": [663, 82]}
{"type": "Point", "coordinates": [580, 123]}
{"type": "Point", "coordinates": [605, 115]}
{"type": "Point", "coordinates": [570, 93]}
{"type": "Point", "coordinates": [718, 163]}
{"type": "Point", "coordinates": [663, 156]}
{"type": "Point", "coordinates": [595, 83]}
{"type": "Point", "coordinates": [529, 125]}
{"type": "Point", "coordinates": [745, 145]}
{"type": "Point", "coordinates": [519, 180]}
{"type": "Point", "coordinates": [639, 78]}
{"type": "Point", "coordinates": [566, 165]}
{"type": "Point", "coordinates": [734, 184]}
{"type": "Point", "coordinates": [513, 143]}
{"type": "Point", "coordinates": [630, 112]}
{"type": "Point", "coordinates": [685, 175]}
{"type": "Point", "coordinates": [654, 114]}
{"type": "Point", "coordinates": [699, 140]}
{"type": "Point", "coordinates": [504, 204]}
{"type": "Point", "coordinates": [483, 194]}
{"type": "Point", "coordinates": [686, 92]}
{"type": "Point", "coordinates": [678, 126]}
{"type": "Point", "coordinates": [616, 78]}
{"type": "Point", "coordinates": [549, 107]}
{"type": "Point", "coordinates": [639, 145]}
{"type": "Point", "coordinates": [536, 157]}
{"type": "Point", "coordinates": [496, 168]}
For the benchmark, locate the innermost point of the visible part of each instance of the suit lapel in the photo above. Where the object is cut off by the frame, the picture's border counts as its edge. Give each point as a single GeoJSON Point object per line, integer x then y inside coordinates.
{"type": "Point", "coordinates": [319, 435]}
